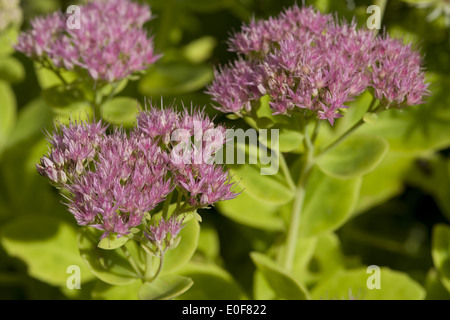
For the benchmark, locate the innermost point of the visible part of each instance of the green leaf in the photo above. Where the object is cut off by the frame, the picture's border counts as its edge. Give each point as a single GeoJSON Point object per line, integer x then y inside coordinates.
{"type": "Point", "coordinates": [47, 78]}
{"type": "Point", "coordinates": [210, 283]}
{"type": "Point", "coordinates": [7, 113]}
{"type": "Point", "coordinates": [174, 259]}
{"type": "Point", "coordinates": [329, 203]}
{"type": "Point", "coordinates": [165, 287]}
{"type": "Point", "coordinates": [250, 211]}
{"type": "Point", "coordinates": [200, 50]}
{"type": "Point", "coordinates": [435, 288]}
{"type": "Point", "coordinates": [32, 118]}
{"type": "Point", "coordinates": [110, 266]}
{"type": "Point", "coordinates": [26, 192]}
{"type": "Point", "coordinates": [112, 242]}
{"type": "Point", "coordinates": [111, 89]}
{"type": "Point", "coordinates": [67, 103]}
{"type": "Point", "coordinates": [386, 181]}
{"type": "Point", "coordinates": [284, 286]}
{"type": "Point", "coordinates": [11, 70]}
{"type": "Point", "coordinates": [266, 188]}
{"type": "Point", "coordinates": [61, 96]}
{"type": "Point", "coordinates": [317, 257]}
{"type": "Point", "coordinates": [105, 291]}
{"type": "Point", "coordinates": [288, 140]}
{"type": "Point", "coordinates": [8, 38]}
{"type": "Point", "coordinates": [121, 111]}
{"type": "Point", "coordinates": [48, 247]}
{"type": "Point", "coordinates": [209, 243]}
{"type": "Point", "coordinates": [441, 252]}
{"type": "Point", "coordinates": [352, 284]}
{"type": "Point", "coordinates": [175, 78]}
{"type": "Point", "coordinates": [355, 156]}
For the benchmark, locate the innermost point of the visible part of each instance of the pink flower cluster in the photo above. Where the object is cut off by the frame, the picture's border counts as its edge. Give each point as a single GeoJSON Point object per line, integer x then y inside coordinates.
{"type": "Point", "coordinates": [158, 234]}
{"type": "Point", "coordinates": [304, 59]}
{"type": "Point", "coordinates": [111, 43]}
{"type": "Point", "coordinates": [115, 178]}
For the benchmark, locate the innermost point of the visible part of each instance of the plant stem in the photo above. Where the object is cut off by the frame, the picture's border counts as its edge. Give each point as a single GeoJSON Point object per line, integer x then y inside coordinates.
{"type": "Point", "coordinates": [358, 124]}
{"type": "Point", "coordinates": [132, 262]}
{"type": "Point", "coordinates": [287, 174]}
{"type": "Point", "coordinates": [161, 262]}
{"type": "Point", "coordinates": [165, 213]}
{"type": "Point", "coordinates": [148, 266]}
{"type": "Point", "coordinates": [341, 138]}
{"type": "Point", "coordinates": [316, 131]}
{"type": "Point", "coordinates": [47, 64]}
{"type": "Point", "coordinates": [294, 223]}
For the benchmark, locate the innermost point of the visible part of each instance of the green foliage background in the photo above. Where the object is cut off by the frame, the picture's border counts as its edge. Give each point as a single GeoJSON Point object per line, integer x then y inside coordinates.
{"type": "Point", "coordinates": [393, 213]}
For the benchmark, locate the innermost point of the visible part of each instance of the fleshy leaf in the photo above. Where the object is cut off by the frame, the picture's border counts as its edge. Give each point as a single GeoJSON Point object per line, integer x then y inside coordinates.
{"type": "Point", "coordinates": [11, 70]}
{"type": "Point", "coordinates": [329, 202]}
{"type": "Point", "coordinates": [356, 156]}
{"type": "Point", "coordinates": [7, 113]}
{"type": "Point", "coordinates": [266, 188]}
{"type": "Point", "coordinates": [250, 211]}
{"type": "Point", "coordinates": [165, 287]}
{"type": "Point", "coordinates": [121, 110]}
{"type": "Point", "coordinates": [441, 252]}
{"type": "Point", "coordinates": [210, 283]}
{"type": "Point", "coordinates": [284, 286]}
{"type": "Point", "coordinates": [48, 247]}
{"type": "Point", "coordinates": [105, 291]}
{"type": "Point", "coordinates": [174, 79]}
{"type": "Point", "coordinates": [112, 242]}
{"type": "Point", "coordinates": [352, 285]}
{"type": "Point", "coordinates": [110, 266]}
{"type": "Point", "coordinates": [174, 259]}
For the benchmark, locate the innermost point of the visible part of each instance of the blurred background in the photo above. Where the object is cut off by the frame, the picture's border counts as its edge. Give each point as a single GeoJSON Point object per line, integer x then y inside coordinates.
{"type": "Point", "coordinates": [401, 201]}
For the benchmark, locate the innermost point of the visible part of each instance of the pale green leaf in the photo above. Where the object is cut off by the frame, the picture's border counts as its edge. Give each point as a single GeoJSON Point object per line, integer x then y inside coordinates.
{"type": "Point", "coordinates": [110, 266]}
{"type": "Point", "coordinates": [352, 284]}
{"type": "Point", "coordinates": [284, 286]}
{"type": "Point", "coordinates": [165, 287]}
{"type": "Point", "coordinates": [355, 156]}
{"type": "Point", "coordinates": [210, 283]}
{"type": "Point", "coordinates": [441, 252]}
{"type": "Point", "coordinates": [329, 203]}
{"type": "Point", "coordinates": [47, 245]}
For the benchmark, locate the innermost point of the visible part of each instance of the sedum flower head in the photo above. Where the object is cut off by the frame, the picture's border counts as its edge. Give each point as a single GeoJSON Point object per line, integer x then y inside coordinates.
{"type": "Point", "coordinates": [111, 43]}
{"type": "Point", "coordinates": [114, 178]}
{"type": "Point", "coordinates": [304, 59]}
{"type": "Point", "coordinates": [157, 233]}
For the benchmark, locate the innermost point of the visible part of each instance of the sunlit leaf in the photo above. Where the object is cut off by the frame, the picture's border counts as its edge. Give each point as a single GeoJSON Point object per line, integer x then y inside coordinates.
{"type": "Point", "coordinates": [48, 247]}
{"type": "Point", "coordinates": [110, 266]}
{"type": "Point", "coordinates": [441, 252]}
{"type": "Point", "coordinates": [210, 283]}
{"type": "Point", "coordinates": [174, 78]}
{"type": "Point", "coordinates": [284, 286]}
{"type": "Point", "coordinates": [355, 156]}
{"type": "Point", "coordinates": [352, 285]}
{"type": "Point", "coordinates": [165, 287]}
{"type": "Point", "coordinates": [329, 202]}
